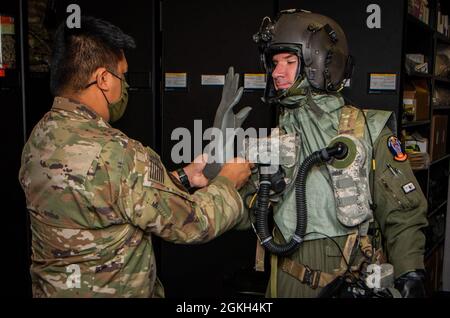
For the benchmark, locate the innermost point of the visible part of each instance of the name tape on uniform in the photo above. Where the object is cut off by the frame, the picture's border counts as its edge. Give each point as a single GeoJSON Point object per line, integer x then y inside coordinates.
{"type": "Point", "coordinates": [409, 187]}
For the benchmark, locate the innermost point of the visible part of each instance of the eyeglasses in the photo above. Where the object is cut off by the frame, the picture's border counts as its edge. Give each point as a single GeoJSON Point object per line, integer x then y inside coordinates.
{"type": "Point", "coordinates": [112, 73]}
{"type": "Point", "coordinates": [115, 75]}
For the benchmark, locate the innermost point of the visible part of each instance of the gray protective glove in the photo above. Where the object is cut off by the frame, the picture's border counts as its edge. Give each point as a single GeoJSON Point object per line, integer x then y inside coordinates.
{"type": "Point", "coordinates": [225, 118]}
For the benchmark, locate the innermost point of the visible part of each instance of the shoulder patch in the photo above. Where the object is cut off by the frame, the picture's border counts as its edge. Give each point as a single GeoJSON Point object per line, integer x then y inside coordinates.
{"type": "Point", "coordinates": [395, 147]}
{"type": "Point", "coordinates": [154, 170]}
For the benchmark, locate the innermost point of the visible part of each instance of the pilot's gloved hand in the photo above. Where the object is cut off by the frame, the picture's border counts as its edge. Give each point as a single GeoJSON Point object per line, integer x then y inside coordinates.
{"type": "Point", "coordinates": [225, 118]}
{"type": "Point", "coordinates": [411, 284]}
{"type": "Point", "coordinates": [231, 95]}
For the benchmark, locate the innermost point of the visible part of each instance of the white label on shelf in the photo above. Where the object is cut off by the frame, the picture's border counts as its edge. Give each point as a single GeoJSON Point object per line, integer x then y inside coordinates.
{"type": "Point", "coordinates": [385, 82]}
{"type": "Point", "coordinates": [213, 79]}
{"type": "Point", "coordinates": [176, 80]}
{"type": "Point", "coordinates": [254, 81]}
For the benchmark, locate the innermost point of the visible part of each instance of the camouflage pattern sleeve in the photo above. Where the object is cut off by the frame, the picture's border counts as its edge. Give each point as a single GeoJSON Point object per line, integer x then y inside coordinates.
{"type": "Point", "coordinates": [247, 192]}
{"type": "Point", "coordinates": [401, 209]}
{"type": "Point", "coordinates": [154, 200]}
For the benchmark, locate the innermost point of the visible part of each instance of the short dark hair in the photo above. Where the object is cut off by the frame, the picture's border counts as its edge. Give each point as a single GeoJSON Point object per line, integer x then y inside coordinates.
{"type": "Point", "coordinates": [78, 52]}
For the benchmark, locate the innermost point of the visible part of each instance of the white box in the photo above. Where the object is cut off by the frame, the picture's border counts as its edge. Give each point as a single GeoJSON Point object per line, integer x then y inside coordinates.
{"type": "Point", "coordinates": [422, 144]}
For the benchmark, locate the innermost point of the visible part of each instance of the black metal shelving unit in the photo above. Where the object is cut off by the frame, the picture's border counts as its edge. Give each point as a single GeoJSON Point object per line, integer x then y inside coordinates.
{"type": "Point", "coordinates": [427, 43]}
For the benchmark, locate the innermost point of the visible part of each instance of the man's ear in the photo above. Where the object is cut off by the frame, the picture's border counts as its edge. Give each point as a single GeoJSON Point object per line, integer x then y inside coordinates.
{"type": "Point", "coordinates": [102, 76]}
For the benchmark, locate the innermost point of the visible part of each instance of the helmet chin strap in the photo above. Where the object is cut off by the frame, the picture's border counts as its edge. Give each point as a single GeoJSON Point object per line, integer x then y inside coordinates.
{"type": "Point", "coordinates": [280, 95]}
{"type": "Point", "coordinates": [294, 90]}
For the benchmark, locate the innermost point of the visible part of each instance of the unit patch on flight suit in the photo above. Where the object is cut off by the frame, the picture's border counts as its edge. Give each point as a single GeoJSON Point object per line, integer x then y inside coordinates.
{"type": "Point", "coordinates": [395, 147]}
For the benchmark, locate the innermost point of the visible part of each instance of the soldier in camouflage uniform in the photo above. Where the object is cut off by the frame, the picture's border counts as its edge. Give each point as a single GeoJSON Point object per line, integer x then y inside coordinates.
{"type": "Point", "coordinates": [95, 196]}
{"type": "Point", "coordinates": [305, 56]}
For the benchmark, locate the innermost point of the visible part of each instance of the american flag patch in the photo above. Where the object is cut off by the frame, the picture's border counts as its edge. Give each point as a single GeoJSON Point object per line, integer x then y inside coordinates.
{"type": "Point", "coordinates": [155, 170]}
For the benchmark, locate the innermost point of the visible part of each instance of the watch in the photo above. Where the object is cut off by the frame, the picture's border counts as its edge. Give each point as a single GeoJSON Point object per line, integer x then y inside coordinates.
{"type": "Point", "coordinates": [184, 179]}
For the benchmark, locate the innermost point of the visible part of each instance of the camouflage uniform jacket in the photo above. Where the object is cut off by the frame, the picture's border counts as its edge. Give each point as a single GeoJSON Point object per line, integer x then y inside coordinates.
{"type": "Point", "coordinates": [95, 197]}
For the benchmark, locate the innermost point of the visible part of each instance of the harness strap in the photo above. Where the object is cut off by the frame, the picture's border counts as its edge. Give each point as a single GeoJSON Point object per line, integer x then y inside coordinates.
{"type": "Point", "coordinates": [352, 122]}
{"type": "Point", "coordinates": [316, 278]}
{"type": "Point", "coordinates": [306, 275]}
{"type": "Point", "coordinates": [348, 248]}
{"type": "Point", "coordinates": [259, 257]}
{"type": "Point", "coordinates": [273, 275]}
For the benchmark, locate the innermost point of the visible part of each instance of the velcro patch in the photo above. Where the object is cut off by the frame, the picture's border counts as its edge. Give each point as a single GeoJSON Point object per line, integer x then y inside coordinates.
{"type": "Point", "coordinates": [409, 187]}
{"type": "Point", "coordinates": [155, 170]}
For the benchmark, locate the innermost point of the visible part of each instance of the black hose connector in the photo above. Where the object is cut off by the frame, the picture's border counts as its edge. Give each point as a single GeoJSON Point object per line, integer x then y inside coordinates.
{"type": "Point", "coordinates": [339, 151]}
{"type": "Point", "coordinates": [262, 209]}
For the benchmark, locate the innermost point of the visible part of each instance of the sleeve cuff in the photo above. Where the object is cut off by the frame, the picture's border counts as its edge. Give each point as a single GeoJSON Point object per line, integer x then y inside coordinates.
{"type": "Point", "coordinates": [225, 180]}
{"type": "Point", "coordinates": [230, 185]}
{"type": "Point", "coordinates": [404, 266]}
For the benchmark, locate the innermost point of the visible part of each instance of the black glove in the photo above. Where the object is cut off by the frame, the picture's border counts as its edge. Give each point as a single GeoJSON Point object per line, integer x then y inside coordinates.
{"type": "Point", "coordinates": [411, 284]}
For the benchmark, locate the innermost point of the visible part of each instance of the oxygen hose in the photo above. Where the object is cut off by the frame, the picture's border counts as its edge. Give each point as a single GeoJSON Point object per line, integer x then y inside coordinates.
{"type": "Point", "coordinates": [338, 150]}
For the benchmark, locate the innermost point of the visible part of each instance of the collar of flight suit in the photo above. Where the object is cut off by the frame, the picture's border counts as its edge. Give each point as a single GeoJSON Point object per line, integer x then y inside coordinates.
{"type": "Point", "coordinates": [328, 102]}
{"type": "Point", "coordinates": [316, 101]}
{"type": "Point", "coordinates": [73, 106]}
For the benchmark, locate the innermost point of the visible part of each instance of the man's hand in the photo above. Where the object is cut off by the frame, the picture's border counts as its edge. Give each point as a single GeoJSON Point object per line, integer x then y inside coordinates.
{"type": "Point", "coordinates": [237, 170]}
{"type": "Point", "coordinates": [194, 172]}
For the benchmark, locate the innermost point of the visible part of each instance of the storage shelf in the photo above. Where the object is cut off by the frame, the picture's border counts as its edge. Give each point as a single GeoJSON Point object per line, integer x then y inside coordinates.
{"type": "Point", "coordinates": [442, 38]}
{"type": "Point", "coordinates": [433, 212]}
{"type": "Point", "coordinates": [441, 107]}
{"type": "Point", "coordinates": [419, 170]}
{"type": "Point", "coordinates": [440, 159]}
{"type": "Point", "coordinates": [421, 38]}
{"type": "Point", "coordinates": [441, 79]}
{"type": "Point", "coordinates": [421, 75]}
{"type": "Point", "coordinates": [416, 123]}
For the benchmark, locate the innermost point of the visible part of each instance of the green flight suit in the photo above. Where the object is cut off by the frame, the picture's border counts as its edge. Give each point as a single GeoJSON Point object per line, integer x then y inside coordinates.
{"type": "Point", "coordinates": [95, 199]}
{"type": "Point", "coordinates": [401, 216]}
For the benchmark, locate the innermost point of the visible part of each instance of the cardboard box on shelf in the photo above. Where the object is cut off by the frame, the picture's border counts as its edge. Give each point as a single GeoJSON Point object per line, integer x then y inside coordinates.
{"type": "Point", "coordinates": [416, 147]}
{"type": "Point", "coordinates": [439, 131]}
{"type": "Point", "coordinates": [423, 99]}
{"type": "Point", "coordinates": [7, 43]}
{"type": "Point", "coordinates": [442, 23]}
{"type": "Point", "coordinates": [419, 160]}
{"type": "Point", "coordinates": [418, 58]}
{"type": "Point", "coordinates": [419, 145]}
{"type": "Point", "coordinates": [416, 63]}
{"type": "Point", "coordinates": [416, 100]}
{"type": "Point", "coordinates": [419, 9]}
{"type": "Point", "coordinates": [409, 106]}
